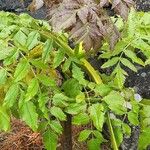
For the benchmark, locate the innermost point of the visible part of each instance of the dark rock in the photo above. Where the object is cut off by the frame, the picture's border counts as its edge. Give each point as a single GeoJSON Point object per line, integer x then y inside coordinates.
{"type": "Point", "coordinates": [13, 5]}
{"type": "Point", "coordinates": [132, 142]}
{"type": "Point", "coordinates": [143, 5]}
{"type": "Point", "coordinates": [140, 81]}
{"type": "Point", "coordinates": [40, 13]}
{"type": "Point", "coordinates": [20, 6]}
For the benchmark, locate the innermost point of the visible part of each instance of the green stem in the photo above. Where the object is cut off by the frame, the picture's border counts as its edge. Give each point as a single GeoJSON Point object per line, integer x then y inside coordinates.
{"type": "Point", "coordinates": [112, 136]}
{"type": "Point", "coordinates": [91, 71]}
{"type": "Point", "coordinates": [59, 42]}
{"type": "Point", "coordinates": [70, 53]}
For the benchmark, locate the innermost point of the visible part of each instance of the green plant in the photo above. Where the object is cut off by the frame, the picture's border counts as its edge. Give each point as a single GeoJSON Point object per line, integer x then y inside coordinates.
{"type": "Point", "coordinates": [32, 88]}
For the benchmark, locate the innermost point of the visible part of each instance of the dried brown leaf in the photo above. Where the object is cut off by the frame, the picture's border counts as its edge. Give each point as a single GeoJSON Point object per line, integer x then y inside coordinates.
{"type": "Point", "coordinates": [104, 3]}
{"type": "Point", "coordinates": [122, 10]}
{"type": "Point", "coordinates": [129, 2]}
{"type": "Point", "coordinates": [85, 21]}
{"type": "Point", "coordinates": [88, 33]}
{"type": "Point", "coordinates": [121, 7]}
{"type": "Point", "coordinates": [115, 3]}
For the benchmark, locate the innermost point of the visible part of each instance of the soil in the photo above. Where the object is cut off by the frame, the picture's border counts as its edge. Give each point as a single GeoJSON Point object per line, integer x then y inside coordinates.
{"type": "Point", "coordinates": [140, 81]}
{"type": "Point", "coordinates": [143, 5]}
{"type": "Point", "coordinates": [20, 6]}
{"type": "Point", "coordinates": [21, 137]}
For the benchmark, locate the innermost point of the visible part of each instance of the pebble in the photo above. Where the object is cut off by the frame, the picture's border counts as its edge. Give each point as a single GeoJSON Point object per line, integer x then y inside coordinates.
{"type": "Point", "coordinates": [137, 97]}
{"type": "Point", "coordinates": [136, 89]}
{"type": "Point", "coordinates": [143, 74]}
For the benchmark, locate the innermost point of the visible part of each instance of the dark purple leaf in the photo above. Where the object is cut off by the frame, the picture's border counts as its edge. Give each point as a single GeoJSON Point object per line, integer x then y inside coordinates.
{"type": "Point", "coordinates": [84, 20]}
{"type": "Point", "coordinates": [88, 33]}
{"type": "Point", "coordinates": [115, 3]}
{"type": "Point", "coordinates": [129, 2]}
{"type": "Point", "coordinates": [122, 10]}
{"type": "Point", "coordinates": [103, 3]}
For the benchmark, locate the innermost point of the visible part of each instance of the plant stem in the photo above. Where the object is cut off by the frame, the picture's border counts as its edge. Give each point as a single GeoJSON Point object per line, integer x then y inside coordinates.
{"type": "Point", "coordinates": [59, 42]}
{"type": "Point", "coordinates": [98, 80]}
{"type": "Point", "coordinates": [67, 143]}
{"type": "Point", "coordinates": [112, 136]}
{"type": "Point", "coordinates": [70, 53]}
{"type": "Point", "coordinates": [91, 71]}
{"type": "Point", "coordinates": [67, 134]}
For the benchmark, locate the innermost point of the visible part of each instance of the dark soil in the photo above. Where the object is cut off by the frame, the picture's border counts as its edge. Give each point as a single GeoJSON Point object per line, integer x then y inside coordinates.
{"type": "Point", "coordinates": [140, 81]}
{"type": "Point", "coordinates": [20, 6]}
{"type": "Point", "coordinates": [143, 5]}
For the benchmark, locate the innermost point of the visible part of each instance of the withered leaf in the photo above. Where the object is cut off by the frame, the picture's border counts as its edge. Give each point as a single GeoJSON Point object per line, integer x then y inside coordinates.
{"type": "Point", "coordinates": [122, 10]}
{"type": "Point", "coordinates": [129, 2]}
{"type": "Point", "coordinates": [115, 3]}
{"type": "Point", "coordinates": [87, 22]}
{"type": "Point", "coordinates": [50, 3]}
{"type": "Point", "coordinates": [103, 3]}
{"type": "Point", "coordinates": [68, 11]}
{"type": "Point", "coordinates": [88, 33]}
{"type": "Point", "coordinates": [66, 19]}
{"type": "Point", "coordinates": [121, 7]}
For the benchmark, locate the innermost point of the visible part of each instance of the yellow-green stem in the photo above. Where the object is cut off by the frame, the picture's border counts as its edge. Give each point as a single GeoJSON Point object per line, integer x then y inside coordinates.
{"type": "Point", "coordinates": [112, 136]}
{"type": "Point", "coordinates": [91, 71]}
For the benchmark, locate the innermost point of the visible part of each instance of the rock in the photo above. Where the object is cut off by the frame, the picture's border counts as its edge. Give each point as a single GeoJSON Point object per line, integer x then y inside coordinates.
{"type": "Point", "coordinates": [140, 80]}
{"type": "Point", "coordinates": [13, 5]}
{"type": "Point", "coordinates": [137, 97]}
{"type": "Point", "coordinates": [20, 6]}
{"type": "Point", "coordinates": [143, 5]}
{"type": "Point", "coordinates": [132, 142]}
{"type": "Point", "coordinates": [143, 74]}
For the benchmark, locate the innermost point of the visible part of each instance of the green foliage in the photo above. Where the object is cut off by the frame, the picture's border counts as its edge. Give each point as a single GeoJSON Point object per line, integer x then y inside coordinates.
{"type": "Point", "coordinates": [3, 76]}
{"type": "Point", "coordinates": [93, 144]}
{"type": "Point", "coordinates": [45, 80]}
{"type": "Point", "coordinates": [29, 115]}
{"type": "Point", "coordinates": [78, 74]}
{"type": "Point", "coordinates": [97, 115]}
{"type": "Point", "coordinates": [50, 140]}
{"type": "Point", "coordinates": [58, 113]}
{"type": "Point", "coordinates": [144, 139]}
{"type": "Point", "coordinates": [11, 95]}
{"type": "Point", "coordinates": [32, 89]}
{"type": "Point", "coordinates": [21, 70]}
{"type": "Point", "coordinates": [115, 102]}
{"type": "Point", "coordinates": [81, 119]}
{"type": "Point", "coordinates": [84, 135]}
{"type": "Point", "coordinates": [4, 119]}
{"type": "Point", "coordinates": [124, 55]}
{"type": "Point", "coordinates": [47, 49]}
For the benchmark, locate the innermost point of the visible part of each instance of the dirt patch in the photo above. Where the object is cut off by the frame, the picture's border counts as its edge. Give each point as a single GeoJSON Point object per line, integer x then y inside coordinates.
{"type": "Point", "coordinates": [21, 137]}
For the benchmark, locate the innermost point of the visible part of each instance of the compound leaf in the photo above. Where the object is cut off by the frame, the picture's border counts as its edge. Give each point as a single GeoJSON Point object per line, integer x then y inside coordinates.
{"type": "Point", "coordinates": [21, 70]}
{"type": "Point", "coordinates": [29, 115]}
